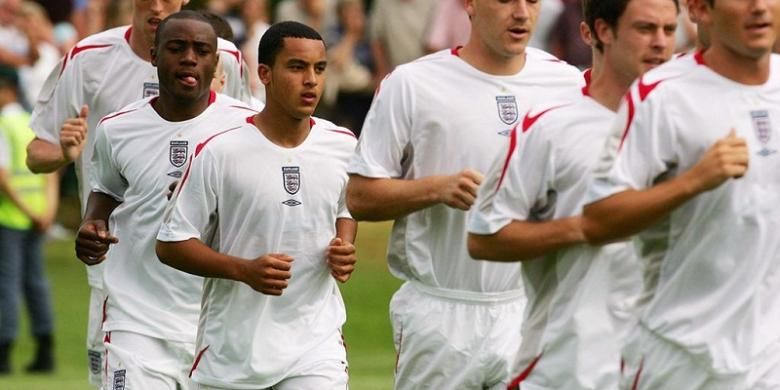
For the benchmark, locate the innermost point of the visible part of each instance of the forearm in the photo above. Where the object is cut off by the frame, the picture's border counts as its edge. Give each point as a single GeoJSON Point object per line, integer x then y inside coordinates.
{"type": "Point", "coordinates": [45, 157]}
{"type": "Point", "coordinates": [346, 229]}
{"type": "Point", "coordinates": [195, 257]}
{"type": "Point", "coordinates": [52, 194]}
{"type": "Point", "coordinates": [522, 240]}
{"type": "Point", "coordinates": [99, 207]}
{"type": "Point", "coordinates": [385, 199]}
{"type": "Point", "coordinates": [629, 212]}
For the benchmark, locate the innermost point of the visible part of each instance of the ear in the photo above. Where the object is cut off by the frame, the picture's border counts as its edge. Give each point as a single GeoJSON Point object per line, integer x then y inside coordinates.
{"type": "Point", "coordinates": [586, 35]}
{"type": "Point", "coordinates": [604, 33]}
{"type": "Point", "coordinates": [469, 6]}
{"type": "Point", "coordinates": [698, 11]}
{"type": "Point", "coordinates": [264, 73]}
{"type": "Point", "coordinates": [153, 54]}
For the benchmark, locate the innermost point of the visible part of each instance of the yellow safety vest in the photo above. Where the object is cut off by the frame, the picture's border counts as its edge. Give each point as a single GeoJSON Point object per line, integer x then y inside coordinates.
{"type": "Point", "coordinates": [31, 188]}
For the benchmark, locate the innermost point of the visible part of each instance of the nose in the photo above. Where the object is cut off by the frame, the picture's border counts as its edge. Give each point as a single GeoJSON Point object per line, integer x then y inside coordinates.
{"type": "Point", "coordinates": [156, 6]}
{"type": "Point", "coordinates": [189, 57]}
{"type": "Point", "coordinates": [661, 39]}
{"type": "Point", "coordinates": [310, 76]}
{"type": "Point", "coordinates": [760, 6]}
{"type": "Point", "coordinates": [520, 10]}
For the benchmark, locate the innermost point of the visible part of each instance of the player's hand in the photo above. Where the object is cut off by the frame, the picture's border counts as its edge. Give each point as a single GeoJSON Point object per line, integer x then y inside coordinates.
{"type": "Point", "coordinates": [727, 158]}
{"type": "Point", "coordinates": [341, 259]}
{"type": "Point", "coordinates": [41, 224]}
{"type": "Point", "coordinates": [460, 190]}
{"type": "Point", "coordinates": [171, 188]}
{"type": "Point", "coordinates": [268, 274]}
{"type": "Point", "coordinates": [73, 135]}
{"type": "Point", "coordinates": [92, 242]}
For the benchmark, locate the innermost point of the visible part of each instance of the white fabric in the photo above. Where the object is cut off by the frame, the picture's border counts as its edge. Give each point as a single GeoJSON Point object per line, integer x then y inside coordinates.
{"type": "Point", "coordinates": [261, 198]}
{"type": "Point", "coordinates": [422, 124]}
{"type": "Point", "coordinates": [134, 361]}
{"type": "Point", "coordinates": [717, 288]}
{"type": "Point", "coordinates": [137, 155]}
{"type": "Point", "coordinates": [96, 351]}
{"type": "Point", "coordinates": [103, 72]}
{"type": "Point", "coordinates": [544, 177]}
{"type": "Point", "coordinates": [448, 343]}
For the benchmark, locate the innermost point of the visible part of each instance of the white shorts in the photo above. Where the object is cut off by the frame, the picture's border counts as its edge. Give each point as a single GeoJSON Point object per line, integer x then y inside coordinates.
{"type": "Point", "coordinates": [652, 363]}
{"type": "Point", "coordinates": [323, 368]}
{"type": "Point", "coordinates": [445, 340]}
{"type": "Point", "coordinates": [138, 362]}
{"type": "Point", "coordinates": [765, 373]}
{"type": "Point", "coordinates": [95, 334]}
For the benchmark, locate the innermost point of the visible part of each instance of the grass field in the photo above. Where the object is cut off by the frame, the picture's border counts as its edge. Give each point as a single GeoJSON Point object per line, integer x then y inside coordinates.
{"type": "Point", "coordinates": [367, 331]}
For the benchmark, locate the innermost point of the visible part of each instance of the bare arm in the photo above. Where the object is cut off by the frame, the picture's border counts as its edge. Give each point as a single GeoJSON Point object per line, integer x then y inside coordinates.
{"type": "Point", "coordinates": [522, 240]}
{"type": "Point", "coordinates": [267, 274]}
{"type": "Point", "coordinates": [629, 212]}
{"type": "Point", "coordinates": [44, 156]}
{"type": "Point", "coordinates": [370, 199]}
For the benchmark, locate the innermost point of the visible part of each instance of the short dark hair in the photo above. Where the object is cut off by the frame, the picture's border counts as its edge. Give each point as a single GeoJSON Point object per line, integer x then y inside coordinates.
{"type": "Point", "coordinates": [185, 14]}
{"type": "Point", "coordinates": [609, 11]}
{"type": "Point", "coordinates": [272, 41]}
{"type": "Point", "coordinates": [221, 26]}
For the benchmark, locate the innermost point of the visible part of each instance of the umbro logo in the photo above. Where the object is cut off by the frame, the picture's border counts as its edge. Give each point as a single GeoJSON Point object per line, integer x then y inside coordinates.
{"type": "Point", "coordinates": [291, 203]}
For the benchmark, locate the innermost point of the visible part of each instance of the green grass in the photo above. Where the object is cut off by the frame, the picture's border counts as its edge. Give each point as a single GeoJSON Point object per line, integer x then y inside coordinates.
{"type": "Point", "coordinates": [367, 331]}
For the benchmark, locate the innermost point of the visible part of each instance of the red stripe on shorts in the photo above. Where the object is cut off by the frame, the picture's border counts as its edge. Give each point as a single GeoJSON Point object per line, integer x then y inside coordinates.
{"type": "Point", "coordinates": [515, 384]}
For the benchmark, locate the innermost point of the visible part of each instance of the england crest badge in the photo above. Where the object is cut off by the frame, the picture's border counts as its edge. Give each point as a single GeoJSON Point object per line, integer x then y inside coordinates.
{"type": "Point", "coordinates": [291, 178]}
{"type": "Point", "coordinates": [763, 129]}
{"type": "Point", "coordinates": [507, 109]}
{"type": "Point", "coordinates": [177, 153]}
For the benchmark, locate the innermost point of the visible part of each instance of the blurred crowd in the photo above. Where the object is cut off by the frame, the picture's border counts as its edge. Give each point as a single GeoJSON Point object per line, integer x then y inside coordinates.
{"type": "Point", "coordinates": [366, 39]}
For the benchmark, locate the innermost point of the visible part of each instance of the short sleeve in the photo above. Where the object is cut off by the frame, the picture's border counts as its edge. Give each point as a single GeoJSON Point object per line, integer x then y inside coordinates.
{"type": "Point", "coordinates": [61, 98]}
{"type": "Point", "coordinates": [644, 151]}
{"type": "Point", "coordinates": [236, 73]}
{"type": "Point", "coordinates": [386, 131]}
{"type": "Point", "coordinates": [518, 184]}
{"type": "Point", "coordinates": [192, 211]}
{"type": "Point", "coordinates": [105, 174]}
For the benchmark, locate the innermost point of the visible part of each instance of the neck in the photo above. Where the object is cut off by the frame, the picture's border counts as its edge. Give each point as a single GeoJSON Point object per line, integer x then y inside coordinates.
{"type": "Point", "coordinates": [607, 86]}
{"type": "Point", "coordinates": [478, 55]}
{"type": "Point", "coordinates": [173, 109]}
{"type": "Point", "coordinates": [737, 67]}
{"type": "Point", "coordinates": [140, 46]}
{"type": "Point", "coordinates": [281, 128]}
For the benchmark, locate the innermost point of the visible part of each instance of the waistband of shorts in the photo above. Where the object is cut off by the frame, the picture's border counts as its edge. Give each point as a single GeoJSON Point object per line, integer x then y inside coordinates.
{"type": "Point", "coordinates": [468, 296]}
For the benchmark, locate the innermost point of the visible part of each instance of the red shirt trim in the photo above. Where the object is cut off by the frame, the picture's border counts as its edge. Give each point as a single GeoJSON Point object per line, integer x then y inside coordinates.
{"type": "Point", "coordinates": [236, 54]}
{"type": "Point", "coordinates": [515, 384]}
{"type": "Point", "coordinates": [631, 112]}
{"type": "Point", "coordinates": [512, 144]}
{"type": "Point", "coordinates": [114, 115]}
{"type": "Point", "coordinates": [127, 34]}
{"type": "Point", "coordinates": [456, 51]}
{"type": "Point", "coordinates": [197, 360]}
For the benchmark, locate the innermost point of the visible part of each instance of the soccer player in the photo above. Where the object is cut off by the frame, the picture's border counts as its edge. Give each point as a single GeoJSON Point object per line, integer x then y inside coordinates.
{"type": "Point", "coordinates": [530, 204]}
{"type": "Point", "coordinates": [151, 311]}
{"type": "Point", "coordinates": [424, 146]}
{"type": "Point", "coordinates": [101, 74]}
{"type": "Point", "coordinates": [696, 177]}
{"type": "Point", "coordinates": [261, 214]}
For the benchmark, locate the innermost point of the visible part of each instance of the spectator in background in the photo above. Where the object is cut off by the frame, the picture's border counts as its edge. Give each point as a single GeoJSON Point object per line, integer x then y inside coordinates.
{"type": "Point", "coordinates": [28, 204]}
{"type": "Point", "coordinates": [398, 30]}
{"type": "Point", "coordinates": [450, 26]}
{"type": "Point", "coordinates": [35, 21]}
{"type": "Point", "coordinates": [17, 47]}
{"type": "Point", "coordinates": [565, 43]}
{"type": "Point", "coordinates": [548, 17]}
{"type": "Point", "coordinates": [317, 14]}
{"type": "Point", "coordinates": [255, 16]}
{"type": "Point", "coordinates": [350, 86]}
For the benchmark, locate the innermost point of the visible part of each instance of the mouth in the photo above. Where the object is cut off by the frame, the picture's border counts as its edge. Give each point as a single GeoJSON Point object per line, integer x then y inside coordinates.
{"type": "Point", "coordinates": [653, 61]}
{"type": "Point", "coordinates": [154, 22]}
{"type": "Point", "coordinates": [758, 27]}
{"type": "Point", "coordinates": [518, 32]}
{"type": "Point", "coordinates": [309, 98]}
{"type": "Point", "coordinates": [188, 79]}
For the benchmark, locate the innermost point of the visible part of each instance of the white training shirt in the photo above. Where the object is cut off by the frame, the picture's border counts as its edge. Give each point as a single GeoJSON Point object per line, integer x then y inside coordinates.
{"type": "Point", "coordinates": [718, 284]}
{"type": "Point", "coordinates": [545, 177]}
{"type": "Point", "coordinates": [439, 115]}
{"type": "Point", "coordinates": [261, 198]}
{"type": "Point", "coordinates": [138, 154]}
{"type": "Point", "coordinates": [103, 72]}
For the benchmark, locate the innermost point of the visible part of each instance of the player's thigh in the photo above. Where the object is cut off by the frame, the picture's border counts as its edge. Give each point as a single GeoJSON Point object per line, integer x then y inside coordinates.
{"type": "Point", "coordinates": [325, 367]}
{"type": "Point", "coordinates": [651, 363]}
{"type": "Point", "coordinates": [135, 361]}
